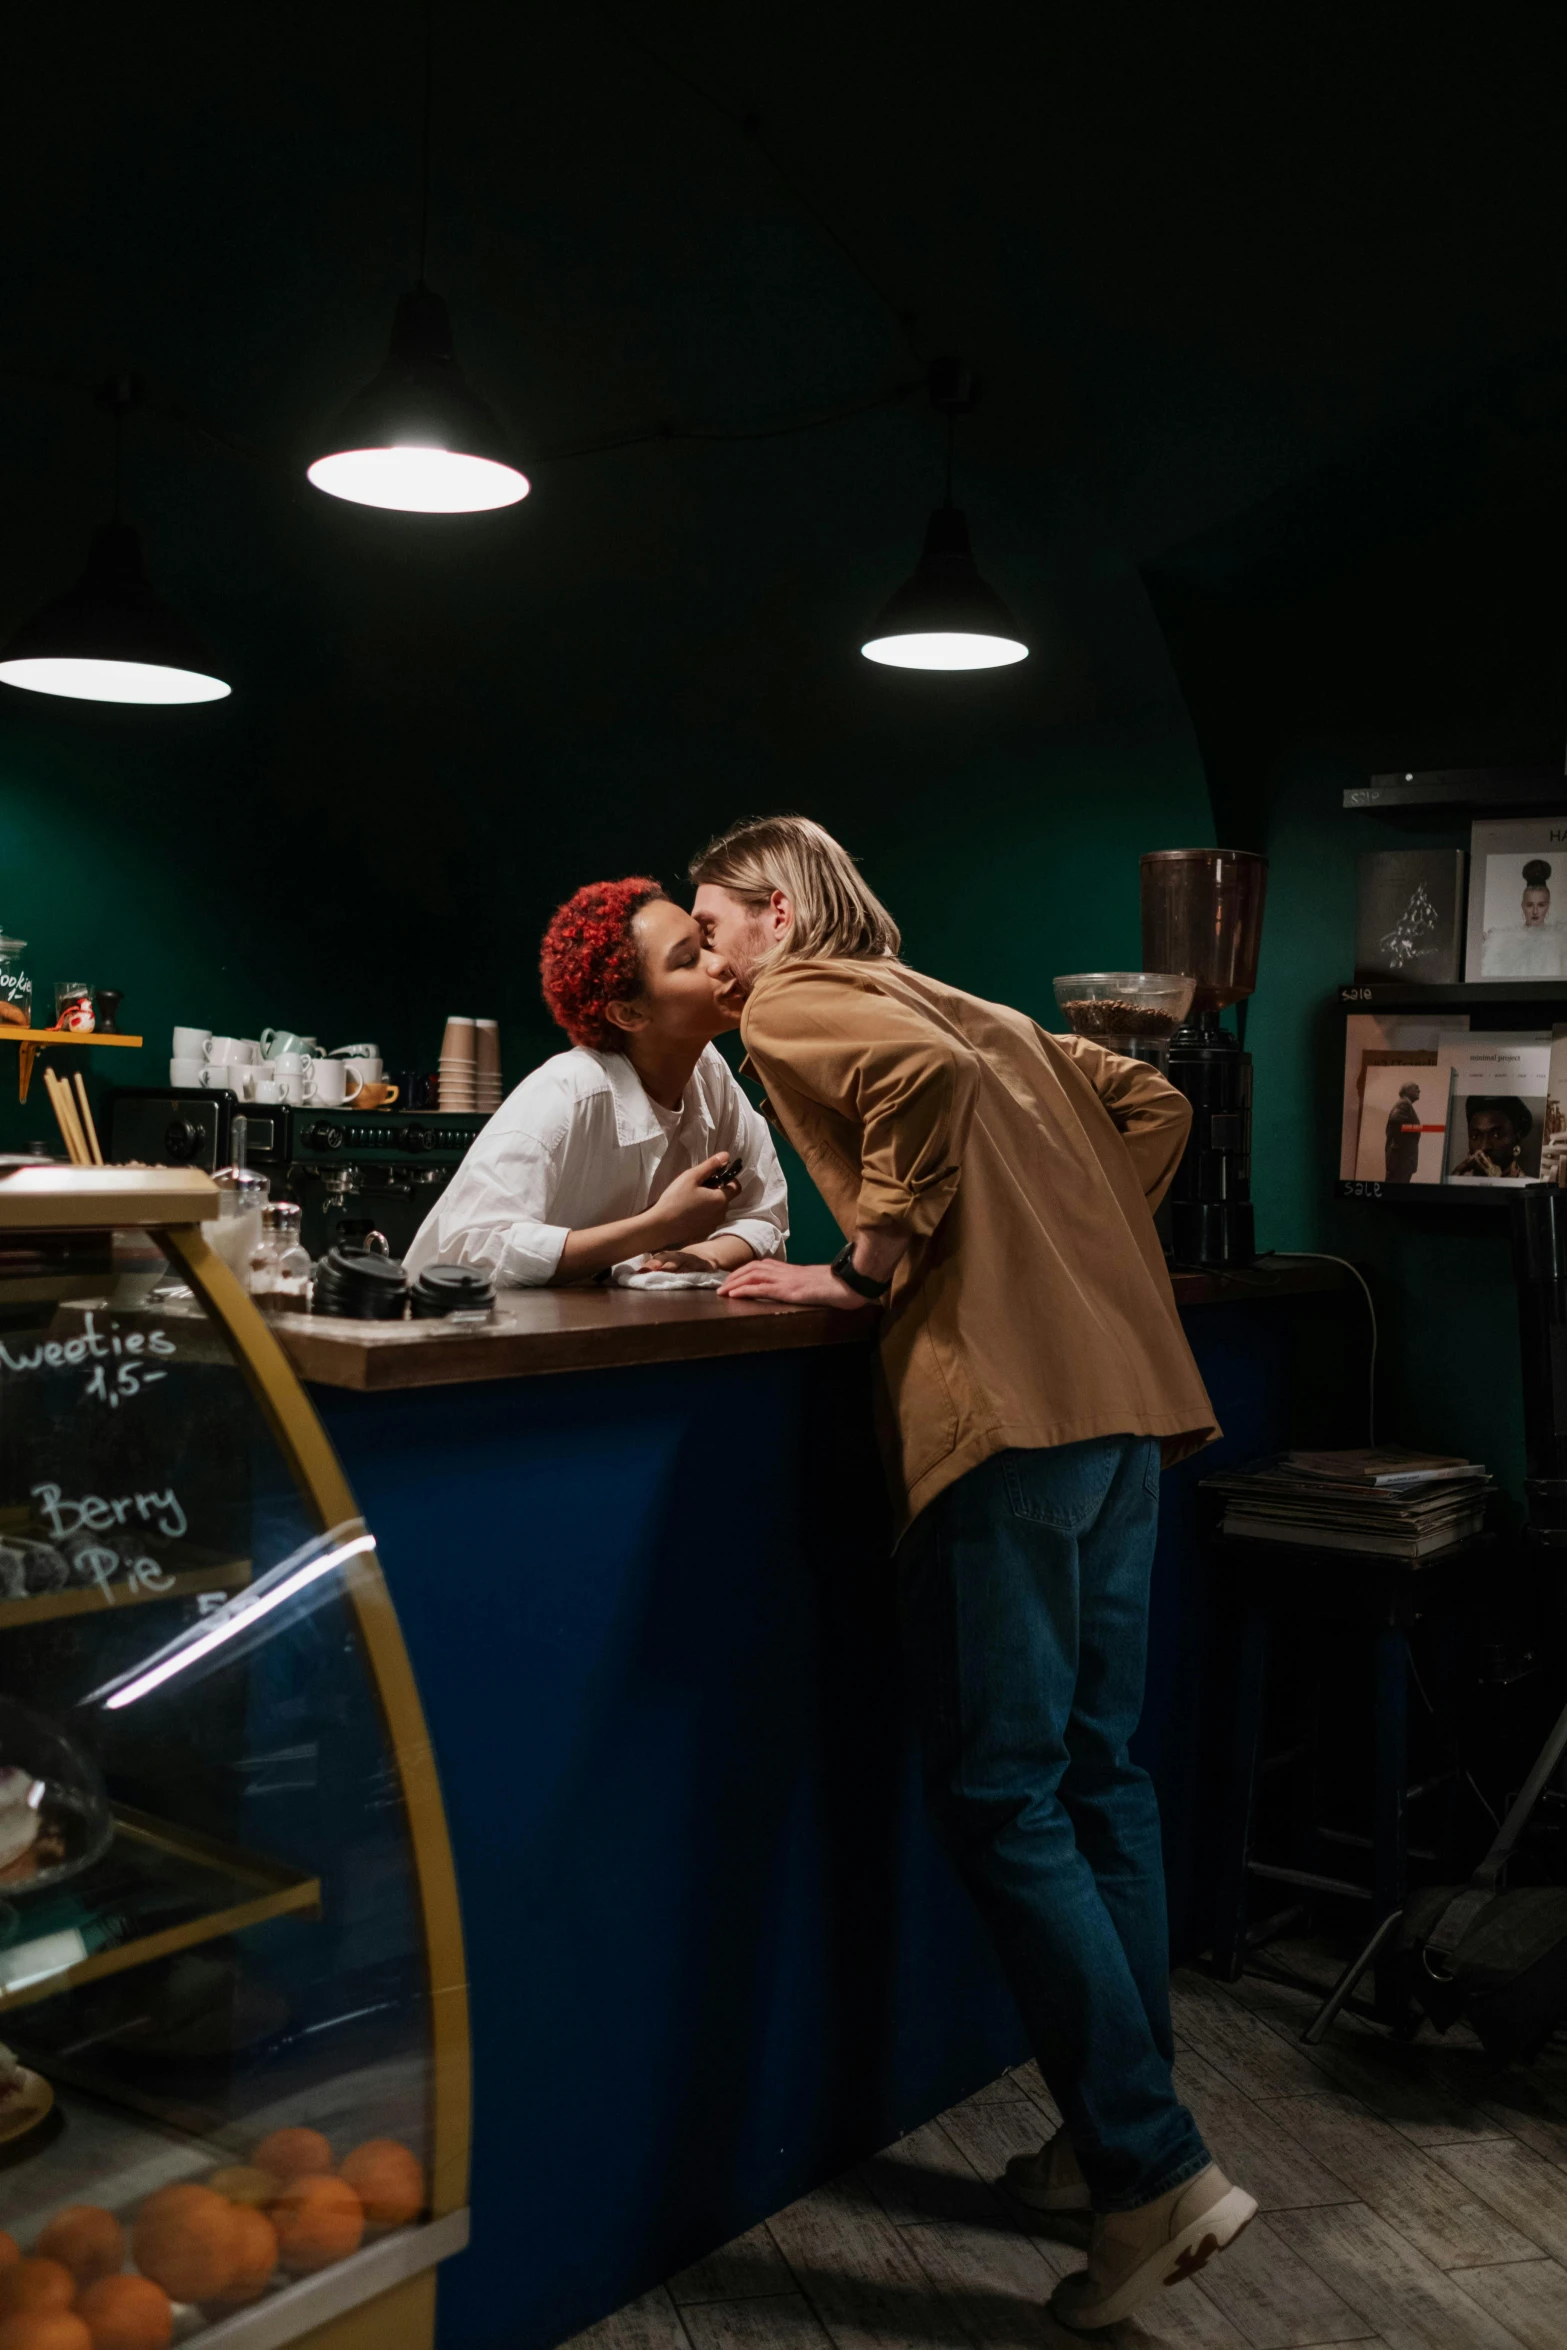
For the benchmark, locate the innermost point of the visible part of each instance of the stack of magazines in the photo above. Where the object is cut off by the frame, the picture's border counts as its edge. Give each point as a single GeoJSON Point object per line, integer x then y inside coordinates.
{"type": "Point", "coordinates": [1384, 1502]}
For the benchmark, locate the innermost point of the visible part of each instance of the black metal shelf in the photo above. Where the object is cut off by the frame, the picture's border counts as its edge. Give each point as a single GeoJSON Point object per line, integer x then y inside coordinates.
{"type": "Point", "coordinates": [1490, 791]}
{"type": "Point", "coordinates": [1457, 1200]}
{"type": "Point", "coordinates": [1468, 995]}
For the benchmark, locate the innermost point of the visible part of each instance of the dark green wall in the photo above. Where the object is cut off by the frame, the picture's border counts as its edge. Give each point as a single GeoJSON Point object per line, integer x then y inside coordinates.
{"type": "Point", "coordinates": [1401, 608]}
{"type": "Point", "coordinates": [1220, 309]}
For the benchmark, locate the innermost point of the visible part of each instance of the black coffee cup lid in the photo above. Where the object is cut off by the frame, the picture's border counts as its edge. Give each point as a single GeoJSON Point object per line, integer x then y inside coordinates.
{"type": "Point", "coordinates": [361, 1267]}
{"type": "Point", "coordinates": [456, 1280]}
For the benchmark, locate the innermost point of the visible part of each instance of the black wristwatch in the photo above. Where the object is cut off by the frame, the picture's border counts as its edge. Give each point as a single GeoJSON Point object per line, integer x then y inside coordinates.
{"type": "Point", "coordinates": [842, 1268]}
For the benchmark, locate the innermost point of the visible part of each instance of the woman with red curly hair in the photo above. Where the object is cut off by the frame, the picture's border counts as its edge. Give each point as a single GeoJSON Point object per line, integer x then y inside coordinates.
{"type": "Point", "coordinates": [608, 1158]}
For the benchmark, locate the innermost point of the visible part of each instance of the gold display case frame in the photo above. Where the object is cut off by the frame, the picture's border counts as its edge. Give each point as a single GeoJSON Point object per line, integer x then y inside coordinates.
{"type": "Point", "coordinates": [172, 1204]}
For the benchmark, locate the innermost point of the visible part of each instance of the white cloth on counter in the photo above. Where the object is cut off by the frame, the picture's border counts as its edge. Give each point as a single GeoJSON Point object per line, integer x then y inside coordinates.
{"type": "Point", "coordinates": [627, 1276]}
{"type": "Point", "coordinates": [579, 1143]}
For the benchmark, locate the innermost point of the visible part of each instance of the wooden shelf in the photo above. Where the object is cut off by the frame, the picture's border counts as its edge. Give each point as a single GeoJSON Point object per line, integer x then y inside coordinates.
{"type": "Point", "coordinates": [10, 1035]}
{"type": "Point", "coordinates": [151, 1873]}
{"type": "Point", "coordinates": [84, 1599]}
{"type": "Point", "coordinates": [34, 1041]}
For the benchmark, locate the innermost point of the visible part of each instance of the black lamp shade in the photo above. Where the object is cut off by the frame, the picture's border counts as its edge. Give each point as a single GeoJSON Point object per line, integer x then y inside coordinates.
{"type": "Point", "coordinates": [417, 437]}
{"type": "Point", "coordinates": [111, 638]}
{"type": "Point", "coordinates": [946, 617]}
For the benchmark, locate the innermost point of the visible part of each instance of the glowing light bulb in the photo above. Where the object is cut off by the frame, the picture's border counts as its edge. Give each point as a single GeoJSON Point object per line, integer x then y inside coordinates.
{"type": "Point", "coordinates": [82, 679]}
{"type": "Point", "coordinates": [944, 649]}
{"type": "Point", "coordinates": [419, 480]}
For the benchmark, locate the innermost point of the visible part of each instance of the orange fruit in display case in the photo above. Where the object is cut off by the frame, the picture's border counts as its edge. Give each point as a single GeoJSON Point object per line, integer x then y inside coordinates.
{"type": "Point", "coordinates": [87, 2240]}
{"type": "Point", "coordinates": [35, 2285]}
{"type": "Point", "coordinates": [388, 2181]}
{"type": "Point", "coordinates": [184, 2240]}
{"type": "Point", "coordinates": [127, 2313]}
{"type": "Point", "coordinates": [44, 2329]}
{"type": "Point", "coordinates": [293, 2154]}
{"type": "Point", "coordinates": [318, 2221]}
{"type": "Point", "coordinates": [255, 2240]}
{"type": "Point", "coordinates": [241, 2182]}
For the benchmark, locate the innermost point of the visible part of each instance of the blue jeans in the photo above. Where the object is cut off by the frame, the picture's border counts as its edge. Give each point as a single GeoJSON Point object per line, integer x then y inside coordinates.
{"type": "Point", "coordinates": [1024, 1601]}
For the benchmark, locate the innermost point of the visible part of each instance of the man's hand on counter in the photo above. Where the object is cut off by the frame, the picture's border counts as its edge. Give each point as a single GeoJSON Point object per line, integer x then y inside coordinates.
{"type": "Point", "coordinates": [790, 1285]}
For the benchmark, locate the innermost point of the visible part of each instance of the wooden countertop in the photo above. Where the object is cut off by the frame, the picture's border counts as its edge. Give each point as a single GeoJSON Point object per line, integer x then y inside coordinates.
{"type": "Point", "coordinates": [536, 1331]}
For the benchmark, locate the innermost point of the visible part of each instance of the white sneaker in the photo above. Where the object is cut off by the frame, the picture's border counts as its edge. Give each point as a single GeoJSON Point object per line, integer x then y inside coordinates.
{"type": "Point", "coordinates": [1052, 2179]}
{"type": "Point", "coordinates": [1132, 2254]}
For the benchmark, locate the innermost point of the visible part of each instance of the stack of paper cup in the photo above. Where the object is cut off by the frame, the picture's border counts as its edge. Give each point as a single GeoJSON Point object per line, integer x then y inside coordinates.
{"type": "Point", "coordinates": [457, 1065]}
{"type": "Point", "coordinates": [487, 1066]}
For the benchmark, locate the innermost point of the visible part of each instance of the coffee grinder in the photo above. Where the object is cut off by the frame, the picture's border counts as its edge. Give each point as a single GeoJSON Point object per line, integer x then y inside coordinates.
{"type": "Point", "coordinates": [1202, 913]}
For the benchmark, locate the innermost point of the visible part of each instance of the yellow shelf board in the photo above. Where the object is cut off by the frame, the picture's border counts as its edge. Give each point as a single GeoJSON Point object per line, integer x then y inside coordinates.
{"type": "Point", "coordinates": [264, 1889]}
{"type": "Point", "coordinates": [86, 1599]}
{"type": "Point", "coordinates": [10, 1035]}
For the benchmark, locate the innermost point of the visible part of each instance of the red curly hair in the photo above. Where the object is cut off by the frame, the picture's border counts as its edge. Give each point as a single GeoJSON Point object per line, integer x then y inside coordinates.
{"type": "Point", "coordinates": [589, 959]}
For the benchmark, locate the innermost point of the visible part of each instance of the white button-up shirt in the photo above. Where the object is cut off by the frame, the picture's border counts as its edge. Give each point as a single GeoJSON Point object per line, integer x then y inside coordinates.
{"type": "Point", "coordinates": [579, 1143]}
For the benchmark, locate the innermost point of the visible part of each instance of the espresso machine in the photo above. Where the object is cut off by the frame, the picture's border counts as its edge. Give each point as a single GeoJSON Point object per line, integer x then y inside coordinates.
{"type": "Point", "coordinates": [348, 1171]}
{"type": "Point", "coordinates": [1202, 914]}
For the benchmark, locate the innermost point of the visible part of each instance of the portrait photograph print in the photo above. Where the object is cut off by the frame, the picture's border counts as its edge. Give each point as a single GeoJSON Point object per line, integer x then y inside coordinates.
{"type": "Point", "coordinates": [1518, 900]}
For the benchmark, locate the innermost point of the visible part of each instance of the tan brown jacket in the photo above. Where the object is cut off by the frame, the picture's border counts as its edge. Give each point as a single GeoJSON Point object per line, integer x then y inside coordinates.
{"type": "Point", "coordinates": [1033, 1307]}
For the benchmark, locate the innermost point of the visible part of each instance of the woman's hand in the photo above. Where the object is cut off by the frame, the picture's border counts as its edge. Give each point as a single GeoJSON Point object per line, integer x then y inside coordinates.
{"type": "Point", "coordinates": [691, 1208]}
{"type": "Point", "coordinates": [792, 1285]}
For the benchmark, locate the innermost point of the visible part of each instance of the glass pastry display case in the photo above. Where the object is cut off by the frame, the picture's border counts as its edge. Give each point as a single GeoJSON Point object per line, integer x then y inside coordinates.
{"type": "Point", "coordinates": [234, 2079]}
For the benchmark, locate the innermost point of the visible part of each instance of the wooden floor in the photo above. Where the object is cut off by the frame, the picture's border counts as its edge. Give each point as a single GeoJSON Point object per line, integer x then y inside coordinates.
{"type": "Point", "coordinates": [1411, 2197]}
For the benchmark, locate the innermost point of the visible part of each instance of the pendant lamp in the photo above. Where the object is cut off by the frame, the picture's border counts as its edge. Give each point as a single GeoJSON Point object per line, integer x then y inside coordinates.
{"type": "Point", "coordinates": [111, 638]}
{"type": "Point", "coordinates": [946, 616]}
{"type": "Point", "coordinates": [418, 439]}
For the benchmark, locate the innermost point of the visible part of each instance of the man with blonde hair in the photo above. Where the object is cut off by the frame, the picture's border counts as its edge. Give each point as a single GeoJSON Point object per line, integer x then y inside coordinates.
{"type": "Point", "coordinates": [995, 1185]}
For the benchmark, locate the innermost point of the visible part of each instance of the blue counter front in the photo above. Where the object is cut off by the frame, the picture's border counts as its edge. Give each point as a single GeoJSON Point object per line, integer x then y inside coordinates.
{"type": "Point", "coordinates": [714, 1953]}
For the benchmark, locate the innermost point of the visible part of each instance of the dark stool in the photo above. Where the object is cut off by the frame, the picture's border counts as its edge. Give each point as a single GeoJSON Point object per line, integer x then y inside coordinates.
{"type": "Point", "coordinates": [1357, 1601]}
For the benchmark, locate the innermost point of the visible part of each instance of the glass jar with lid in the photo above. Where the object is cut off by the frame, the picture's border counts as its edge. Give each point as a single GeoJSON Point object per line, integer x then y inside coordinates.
{"type": "Point", "coordinates": [280, 1264]}
{"type": "Point", "coordinates": [16, 989]}
{"type": "Point", "coordinates": [235, 1235]}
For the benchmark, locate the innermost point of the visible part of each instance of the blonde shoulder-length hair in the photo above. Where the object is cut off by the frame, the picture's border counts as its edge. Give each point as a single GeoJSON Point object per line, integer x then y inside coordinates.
{"type": "Point", "coordinates": [834, 911]}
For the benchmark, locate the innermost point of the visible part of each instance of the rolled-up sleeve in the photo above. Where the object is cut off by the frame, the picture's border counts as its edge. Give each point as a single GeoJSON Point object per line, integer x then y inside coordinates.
{"type": "Point", "coordinates": [1152, 1118]}
{"type": "Point", "coordinates": [880, 1064]}
{"type": "Point", "coordinates": [496, 1215]}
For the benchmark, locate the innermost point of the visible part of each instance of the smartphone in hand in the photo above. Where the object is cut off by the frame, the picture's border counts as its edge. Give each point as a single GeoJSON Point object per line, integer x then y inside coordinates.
{"type": "Point", "coordinates": [735, 1168]}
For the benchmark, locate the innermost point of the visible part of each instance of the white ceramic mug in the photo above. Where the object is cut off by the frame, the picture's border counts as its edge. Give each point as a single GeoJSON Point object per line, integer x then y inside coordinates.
{"type": "Point", "coordinates": [187, 1072]}
{"type": "Point", "coordinates": [366, 1070]}
{"type": "Point", "coordinates": [290, 1064]}
{"type": "Point", "coordinates": [232, 1048]}
{"type": "Point", "coordinates": [190, 1044]}
{"type": "Point", "coordinates": [296, 1088]}
{"type": "Point", "coordinates": [236, 1075]}
{"type": "Point", "coordinates": [275, 1042]}
{"type": "Point", "coordinates": [353, 1052]}
{"type": "Point", "coordinates": [332, 1083]}
{"type": "Point", "coordinates": [269, 1089]}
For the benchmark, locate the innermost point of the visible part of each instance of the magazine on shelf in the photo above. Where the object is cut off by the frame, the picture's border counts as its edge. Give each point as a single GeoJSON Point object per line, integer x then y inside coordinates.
{"type": "Point", "coordinates": [1380, 1464]}
{"type": "Point", "coordinates": [1501, 1085]}
{"type": "Point", "coordinates": [1380, 1040]}
{"type": "Point", "coordinates": [1411, 915]}
{"type": "Point", "coordinates": [1403, 1120]}
{"type": "Point", "coordinates": [1386, 1503]}
{"type": "Point", "coordinates": [1517, 927]}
